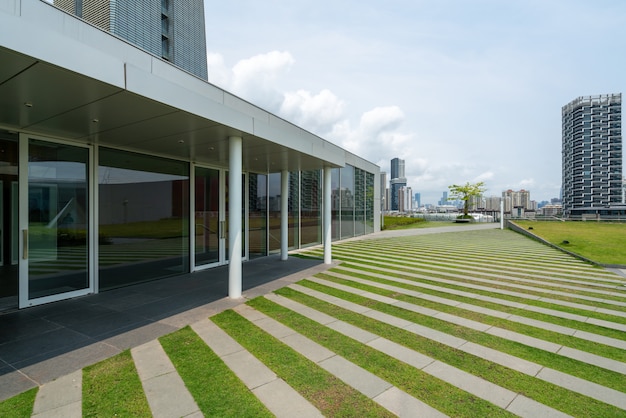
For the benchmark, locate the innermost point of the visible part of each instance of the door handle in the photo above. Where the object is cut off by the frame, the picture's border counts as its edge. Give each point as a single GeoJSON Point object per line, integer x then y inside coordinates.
{"type": "Point", "coordinates": [25, 244]}
{"type": "Point", "coordinates": [223, 229]}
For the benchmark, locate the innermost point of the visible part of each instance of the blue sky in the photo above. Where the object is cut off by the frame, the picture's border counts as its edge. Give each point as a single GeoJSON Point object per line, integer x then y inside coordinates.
{"type": "Point", "coordinates": [463, 90]}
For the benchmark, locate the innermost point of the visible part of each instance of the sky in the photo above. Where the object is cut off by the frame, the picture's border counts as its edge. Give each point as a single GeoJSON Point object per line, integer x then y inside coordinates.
{"type": "Point", "coordinates": [462, 90]}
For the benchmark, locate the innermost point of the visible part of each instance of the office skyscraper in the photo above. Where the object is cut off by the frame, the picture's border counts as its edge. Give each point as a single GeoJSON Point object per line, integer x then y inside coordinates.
{"type": "Point", "coordinates": [592, 152]}
{"type": "Point", "coordinates": [397, 182]}
{"type": "Point", "coordinates": [170, 29]}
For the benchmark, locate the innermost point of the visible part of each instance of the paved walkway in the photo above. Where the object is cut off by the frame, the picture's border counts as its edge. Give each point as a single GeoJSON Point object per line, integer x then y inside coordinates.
{"type": "Point", "coordinates": [546, 278]}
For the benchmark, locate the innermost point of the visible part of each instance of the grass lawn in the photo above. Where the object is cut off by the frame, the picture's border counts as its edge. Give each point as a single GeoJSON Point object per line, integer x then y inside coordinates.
{"type": "Point", "coordinates": [604, 243]}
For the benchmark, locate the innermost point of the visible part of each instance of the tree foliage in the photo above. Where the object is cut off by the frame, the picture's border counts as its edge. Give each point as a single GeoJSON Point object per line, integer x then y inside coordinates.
{"type": "Point", "coordinates": [465, 191]}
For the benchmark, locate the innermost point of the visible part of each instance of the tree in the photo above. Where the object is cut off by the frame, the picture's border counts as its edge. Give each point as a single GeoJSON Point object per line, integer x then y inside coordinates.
{"type": "Point", "coordinates": [465, 192]}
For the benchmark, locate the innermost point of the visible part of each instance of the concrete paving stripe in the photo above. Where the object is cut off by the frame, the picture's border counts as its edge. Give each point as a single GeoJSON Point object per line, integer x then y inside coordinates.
{"type": "Point", "coordinates": [510, 335]}
{"type": "Point", "coordinates": [60, 398]}
{"type": "Point", "coordinates": [165, 390]}
{"type": "Point", "coordinates": [463, 274]}
{"type": "Point", "coordinates": [280, 398]}
{"type": "Point", "coordinates": [523, 366]}
{"type": "Point", "coordinates": [353, 375]}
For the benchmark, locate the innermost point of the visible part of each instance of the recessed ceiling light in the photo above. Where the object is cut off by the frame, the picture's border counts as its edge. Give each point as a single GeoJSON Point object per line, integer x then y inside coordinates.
{"type": "Point", "coordinates": [28, 104]}
{"type": "Point", "coordinates": [95, 120]}
{"type": "Point", "coordinates": [181, 141]}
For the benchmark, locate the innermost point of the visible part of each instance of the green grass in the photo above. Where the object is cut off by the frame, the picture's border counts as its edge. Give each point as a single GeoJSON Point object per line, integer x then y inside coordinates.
{"type": "Point", "coordinates": [541, 391]}
{"type": "Point", "coordinates": [604, 243]}
{"type": "Point", "coordinates": [402, 222]}
{"type": "Point", "coordinates": [585, 371]}
{"type": "Point", "coordinates": [19, 406]}
{"type": "Point", "coordinates": [437, 393]}
{"type": "Point", "coordinates": [214, 387]}
{"type": "Point", "coordinates": [112, 388]}
{"type": "Point", "coordinates": [325, 391]}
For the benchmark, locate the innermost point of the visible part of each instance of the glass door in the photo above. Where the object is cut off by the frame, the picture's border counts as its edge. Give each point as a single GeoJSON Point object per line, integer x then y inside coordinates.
{"type": "Point", "coordinates": [210, 219]}
{"type": "Point", "coordinates": [9, 279]}
{"type": "Point", "coordinates": [55, 221]}
{"type": "Point", "coordinates": [210, 240]}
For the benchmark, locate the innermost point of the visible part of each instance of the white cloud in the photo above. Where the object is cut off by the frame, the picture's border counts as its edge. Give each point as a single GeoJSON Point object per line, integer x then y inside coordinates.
{"type": "Point", "coordinates": [315, 112]}
{"type": "Point", "coordinates": [254, 79]}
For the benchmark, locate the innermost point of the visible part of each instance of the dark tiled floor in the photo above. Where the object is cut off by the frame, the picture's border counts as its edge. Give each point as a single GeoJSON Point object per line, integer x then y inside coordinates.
{"type": "Point", "coordinates": [45, 342]}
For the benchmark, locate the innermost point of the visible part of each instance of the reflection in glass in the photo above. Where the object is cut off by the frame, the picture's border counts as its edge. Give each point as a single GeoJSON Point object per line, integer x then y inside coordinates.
{"type": "Point", "coordinates": [58, 214]}
{"type": "Point", "coordinates": [207, 224]}
{"type": "Point", "coordinates": [310, 209]}
{"type": "Point", "coordinates": [347, 201]}
{"type": "Point", "coordinates": [8, 221]}
{"type": "Point", "coordinates": [359, 201]}
{"type": "Point", "coordinates": [336, 204]}
{"type": "Point", "coordinates": [274, 202]}
{"type": "Point", "coordinates": [369, 203]}
{"type": "Point", "coordinates": [143, 218]}
{"type": "Point", "coordinates": [257, 215]}
{"type": "Point", "coordinates": [294, 210]}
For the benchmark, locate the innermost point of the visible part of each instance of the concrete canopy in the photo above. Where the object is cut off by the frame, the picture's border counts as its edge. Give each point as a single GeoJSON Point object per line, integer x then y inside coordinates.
{"type": "Point", "coordinates": [62, 77]}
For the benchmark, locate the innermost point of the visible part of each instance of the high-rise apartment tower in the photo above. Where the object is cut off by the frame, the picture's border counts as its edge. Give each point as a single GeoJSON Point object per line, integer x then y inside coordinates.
{"type": "Point", "coordinates": [396, 182]}
{"type": "Point", "coordinates": [592, 152]}
{"type": "Point", "coordinates": [171, 29]}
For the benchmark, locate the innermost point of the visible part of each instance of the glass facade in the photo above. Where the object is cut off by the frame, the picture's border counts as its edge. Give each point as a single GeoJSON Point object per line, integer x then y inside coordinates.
{"type": "Point", "coordinates": [294, 210]}
{"type": "Point", "coordinates": [273, 211]}
{"type": "Point", "coordinates": [58, 218]}
{"type": "Point", "coordinates": [359, 202]}
{"type": "Point", "coordinates": [335, 203]}
{"type": "Point", "coordinates": [9, 247]}
{"type": "Point", "coordinates": [257, 215]}
{"type": "Point", "coordinates": [207, 216]}
{"type": "Point", "coordinates": [310, 208]}
{"type": "Point", "coordinates": [346, 199]}
{"type": "Point", "coordinates": [143, 218]}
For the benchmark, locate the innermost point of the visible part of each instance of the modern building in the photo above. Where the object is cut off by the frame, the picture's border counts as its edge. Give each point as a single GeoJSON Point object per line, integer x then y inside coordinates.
{"type": "Point", "coordinates": [592, 152]}
{"type": "Point", "coordinates": [384, 192]}
{"type": "Point", "coordinates": [397, 182]}
{"type": "Point", "coordinates": [418, 200]}
{"type": "Point", "coordinates": [444, 199]}
{"type": "Point", "coordinates": [405, 201]}
{"type": "Point", "coordinates": [117, 167]}
{"type": "Point", "coordinates": [170, 29]}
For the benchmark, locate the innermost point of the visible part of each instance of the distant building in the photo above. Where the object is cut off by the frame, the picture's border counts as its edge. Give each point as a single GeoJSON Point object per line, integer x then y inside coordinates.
{"type": "Point", "coordinates": [384, 191]}
{"type": "Point", "coordinates": [398, 181]}
{"type": "Point", "coordinates": [444, 200]}
{"type": "Point", "coordinates": [405, 201]}
{"type": "Point", "coordinates": [592, 152]}
{"type": "Point", "coordinates": [170, 29]}
{"type": "Point", "coordinates": [418, 200]}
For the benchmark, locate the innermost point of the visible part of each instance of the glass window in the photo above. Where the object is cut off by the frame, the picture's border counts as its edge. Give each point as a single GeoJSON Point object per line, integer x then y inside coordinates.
{"type": "Point", "coordinates": [143, 218]}
{"type": "Point", "coordinates": [207, 221]}
{"type": "Point", "coordinates": [9, 247]}
{"type": "Point", "coordinates": [294, 210]}
{"type": "Point", "coordinates": [347, 201]}
{"type": "Point", "coordinates": [310, 208]}
{"type": "Point", "coordinates": [257, 215]}
{"type": "Point", "coordinates": [335, 204]}
{"type": "Point", "coordinates": [58, 218]}
{"type": "Point", "coordinates": [274, 204]}
{"type": "Point", "coordinates": [369, 203]}
{"type": "Point", "coordinates": [359, 201]}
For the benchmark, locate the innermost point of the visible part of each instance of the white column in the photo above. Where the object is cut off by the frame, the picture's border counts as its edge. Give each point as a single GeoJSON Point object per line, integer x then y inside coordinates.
{"type": "Point", "coordinates": [234, 216]}
{"type": "Point", "coordinates": [327, 216]}
{"type": "Point", "coordinates": [284, 214]}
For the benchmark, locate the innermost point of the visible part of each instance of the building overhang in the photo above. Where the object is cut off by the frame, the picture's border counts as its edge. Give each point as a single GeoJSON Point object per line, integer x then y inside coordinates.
{"type": "Point", "coordinates": [62, 77]}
